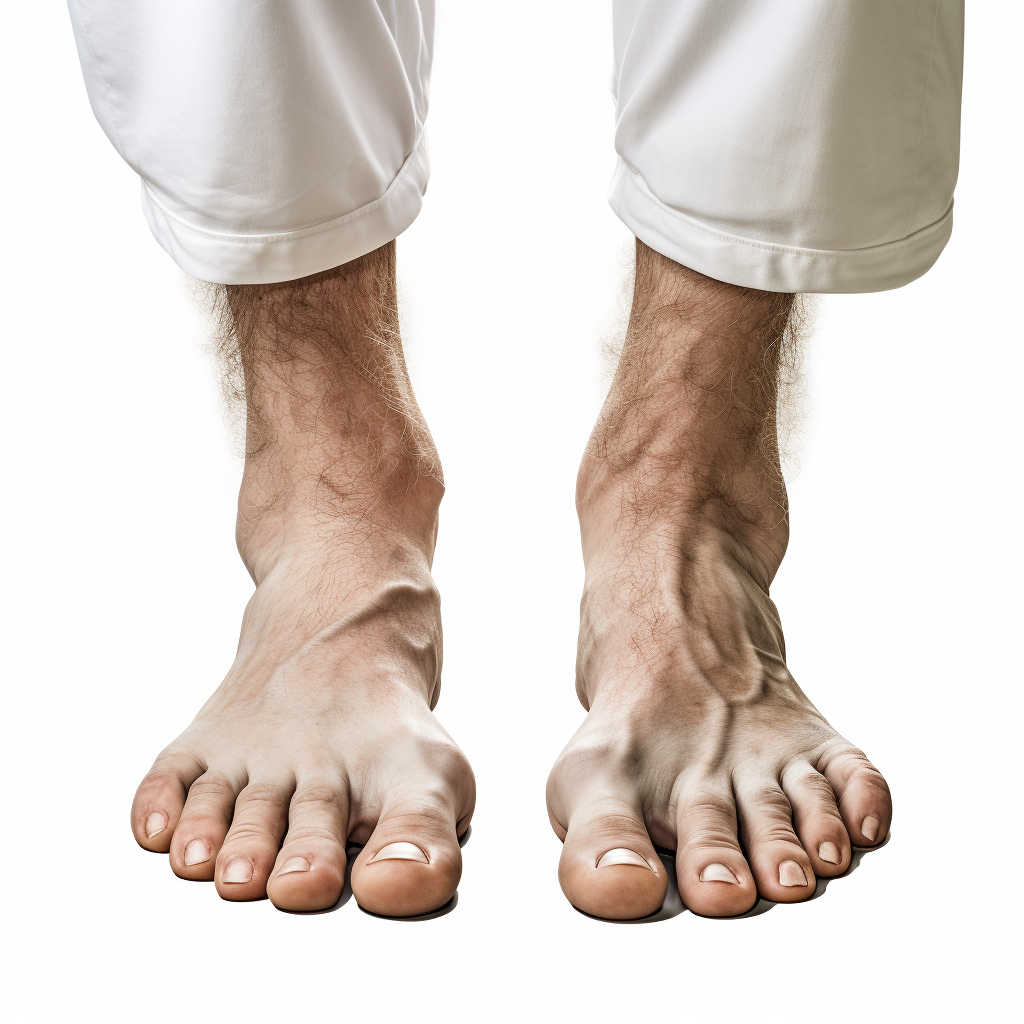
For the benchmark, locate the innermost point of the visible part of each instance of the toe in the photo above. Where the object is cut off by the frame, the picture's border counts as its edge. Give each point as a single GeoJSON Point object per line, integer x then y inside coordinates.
{"type": "Point", "coordinates": [204, 824]}
{"type": "Point", "coordinates": [412, 863]}
{"type": "Point", "coordinates": [818, 822]}
{"type": "Point", "coordinates": [864, 799]}
{"type": "Point", "coordinates": [248, 853]}
{"type": "Point", "coordinates": [310, 869]}
{"type": "Point", "coordinates": [160, 799]}
{"type": "Point", "coordinates": [608, 866]}
{"type": "Point", "coordinates": [780, 865]}
{"type": "Point", "coordinates": [713, 875]}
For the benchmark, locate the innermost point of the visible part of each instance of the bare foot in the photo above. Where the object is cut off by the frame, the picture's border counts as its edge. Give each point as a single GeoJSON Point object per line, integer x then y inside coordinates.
{"type": "Point", "coordinates": [698, 738]}
{"type": "Point", "coordinates": [322, 732]}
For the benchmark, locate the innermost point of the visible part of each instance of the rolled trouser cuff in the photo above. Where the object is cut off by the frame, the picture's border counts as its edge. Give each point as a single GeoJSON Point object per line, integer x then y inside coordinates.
{"type": "Point", "coordinates": [287, 255]}
{"type": "Point", "coordinates": [752, 263]}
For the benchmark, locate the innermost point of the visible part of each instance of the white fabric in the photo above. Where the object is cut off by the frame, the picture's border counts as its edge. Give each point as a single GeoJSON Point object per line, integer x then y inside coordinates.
{"type": "Point", "coordinates": [274, 138]}
{"type": "Point", "coordinates": [791, 145]}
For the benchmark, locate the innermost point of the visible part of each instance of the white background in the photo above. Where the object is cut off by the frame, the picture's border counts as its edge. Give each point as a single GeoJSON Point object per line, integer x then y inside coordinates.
{"type": "Point", "coordinates": [123, 593]}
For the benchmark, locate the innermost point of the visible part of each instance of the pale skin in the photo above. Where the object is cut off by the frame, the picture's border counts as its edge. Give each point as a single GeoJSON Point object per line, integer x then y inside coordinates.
{"type": "Point", "coordinates": [322, 734]}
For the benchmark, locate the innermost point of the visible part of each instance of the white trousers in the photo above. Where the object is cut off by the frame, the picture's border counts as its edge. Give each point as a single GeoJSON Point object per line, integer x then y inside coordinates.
{"type": "Point", "coordinates": [789, 145]}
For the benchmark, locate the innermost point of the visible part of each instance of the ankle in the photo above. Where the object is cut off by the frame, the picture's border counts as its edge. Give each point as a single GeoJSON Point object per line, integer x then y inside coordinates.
{"type": "Point", "coordinates": [281, 515]}
{"type": "Point", "coordinates": [686, 439]}
{"type": "Point", "coordinates": [336, 445]}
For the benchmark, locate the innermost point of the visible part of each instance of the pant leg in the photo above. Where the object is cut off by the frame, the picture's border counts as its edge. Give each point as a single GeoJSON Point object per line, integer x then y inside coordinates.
{"type": "Point", "coordinates": [790, 145]}
{"type": "Point", "coordinates": [274, 138]}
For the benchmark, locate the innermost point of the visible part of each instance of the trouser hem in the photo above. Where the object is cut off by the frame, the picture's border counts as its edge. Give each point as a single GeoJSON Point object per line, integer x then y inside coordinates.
{"type": "Point", "coordinates": [225, 258]}
{"type": "Point", "coordinates": [752, 263]}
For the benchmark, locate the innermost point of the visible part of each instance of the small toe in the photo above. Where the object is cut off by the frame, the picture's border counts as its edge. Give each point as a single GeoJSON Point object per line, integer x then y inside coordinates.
{"type": "Point", "coordinates": [160, 799]}
{"type": "Point", "coordinates": [203, 824]}
{"type": "Point", "coordinates": [780, 864]}
{"type": "Point", "coordinates": [713, 875]}
{"type": "Point", "coordinates": [817, 820]}
{"type": "Point", "coordinates": [864, 799]}
{"type": "Point", "coordinates": [310, 870]}
{"type": "Point", "coordinates": [250, 848]}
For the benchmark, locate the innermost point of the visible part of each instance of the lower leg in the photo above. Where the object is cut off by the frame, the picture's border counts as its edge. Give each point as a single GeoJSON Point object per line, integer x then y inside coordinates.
{"type": "Point", "coordinates": [321, 733]}
{"type": "Point", "coordinates": [698, 737]}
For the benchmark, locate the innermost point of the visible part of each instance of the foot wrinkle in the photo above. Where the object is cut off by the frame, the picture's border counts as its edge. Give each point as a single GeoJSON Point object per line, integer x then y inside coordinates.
{"type": "Point", "coordinates": [317, 795]}
{"type": "Point", "coordinates": [770, 833]}
{"type": "Point", "coordinates": [612, 826]}
{"type": "Point", "coordinates": [169, 763]}
{"type": "Point", "coordinates": [257, 793]}
{"type": "Point", "coordinates": [394, 598]}
{"type": "Point", "coordinates": [772, 797]}
{"type": "Point", "coordinates": [308, 832]}
{"type": "Point", "coordinates": [251, 832]}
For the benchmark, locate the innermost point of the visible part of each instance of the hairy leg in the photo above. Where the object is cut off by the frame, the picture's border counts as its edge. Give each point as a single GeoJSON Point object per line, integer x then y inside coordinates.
{"type": "Point", "coordinates": [322, 732]}
{"type": "Point", "coordinates": [698, 739]}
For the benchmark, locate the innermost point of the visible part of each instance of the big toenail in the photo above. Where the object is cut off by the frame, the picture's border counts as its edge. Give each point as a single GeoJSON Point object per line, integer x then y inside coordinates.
{"type": "Point", "coordinates": [829, 853]}
{"type": "Point", "coordinates": [294, 864]}
{"type": "Point", "coordinates": [869, 828]}
{"type": "Point", "coordinates": [718, 873]}
{"type": "Point", "coordinates": [400, 851]}
{"type": "Point", "coordinates": [239, 870]}
{"type": "Point", "coordinates": [196, 852]}
{"type": "Point", "coordinates": [623, 857]}
{"type": "Point", "coordinates": [790, 873]}
{"type": "Point", "coordinates": [155, 824]}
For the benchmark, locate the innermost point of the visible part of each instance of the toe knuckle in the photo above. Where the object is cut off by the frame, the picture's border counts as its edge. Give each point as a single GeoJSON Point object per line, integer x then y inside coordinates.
{"type": "Point", "coordinates": [317, 796]}
{"type": "Point", "coordinates": [306, 833]}
{"type": "Point", "coordinates": [261, 794]}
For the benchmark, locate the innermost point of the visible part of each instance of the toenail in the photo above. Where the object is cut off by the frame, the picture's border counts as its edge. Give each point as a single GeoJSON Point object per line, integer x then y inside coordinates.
{"type": "Point", "coordinates": [623, 857]}
{"type": "Point", "coordinates": [155, 824]}
{"type": "Point", "coordinates": [790, 873]}
{"type": "Point", "coordinates": [196, 852]}
{"type": "Point", "coordinates": [239, 870]}
{"type": "Point", "coordinates": [829, 853]}
{"type": "Point", "coordinates": [718, 873]}
{"type": "Point", "coordinates": [869, 828]}
{"type": "Point", "coordinates": [400, 851]}
{"type": "Point", "coordinates": [294, 864]}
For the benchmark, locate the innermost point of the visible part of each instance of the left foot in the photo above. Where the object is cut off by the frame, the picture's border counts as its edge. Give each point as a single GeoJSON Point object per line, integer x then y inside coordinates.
{"type": "Point", "coordinates": [698, 738]}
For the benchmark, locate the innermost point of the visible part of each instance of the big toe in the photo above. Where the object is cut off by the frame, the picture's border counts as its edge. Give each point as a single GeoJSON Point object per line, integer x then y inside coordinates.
{"type": "Point", "coordinates": [609, 867]}
{"type": "Point", "coordinates": [411, 865]}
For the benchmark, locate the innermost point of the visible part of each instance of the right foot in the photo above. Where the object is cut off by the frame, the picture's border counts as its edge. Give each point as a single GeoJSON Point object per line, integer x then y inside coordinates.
{"type": "Point", "coordinates": [322, 734]}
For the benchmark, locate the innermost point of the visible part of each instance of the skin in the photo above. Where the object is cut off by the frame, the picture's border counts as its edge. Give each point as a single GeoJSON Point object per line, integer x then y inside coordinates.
{"type": "Point", "coordinates": [322, 732]}
{"type": "Point", "coordinates": [698, 739]}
